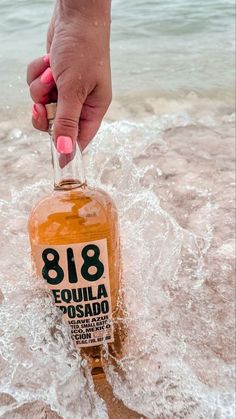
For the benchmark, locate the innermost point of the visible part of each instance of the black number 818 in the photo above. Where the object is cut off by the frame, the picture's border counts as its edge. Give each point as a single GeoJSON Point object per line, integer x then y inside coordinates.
{"type": "Point", "coordinates": [51, 264]}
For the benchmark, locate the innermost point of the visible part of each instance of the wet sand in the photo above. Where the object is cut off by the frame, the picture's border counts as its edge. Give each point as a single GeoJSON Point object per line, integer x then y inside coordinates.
{"type": "Point", "coordinates": [171, 174]}
{"type": "Point", "coordinates": [115, 408]}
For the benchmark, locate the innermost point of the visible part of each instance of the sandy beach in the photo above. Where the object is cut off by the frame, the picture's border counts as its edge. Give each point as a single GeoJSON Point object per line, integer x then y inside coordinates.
{"type": "Point", "coordinates": [179, 198]}
{"type": "Point", "coordinates": [115, 408]}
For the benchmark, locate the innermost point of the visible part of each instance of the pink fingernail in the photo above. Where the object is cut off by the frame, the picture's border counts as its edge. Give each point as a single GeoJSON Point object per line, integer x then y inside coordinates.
{"type": "Point", "coordinates": [46, 58]}
{"type": "Point", "coordinates": [64, 145]}
{"type": "Point", "coordinates": [47, 76]}
{"type": "Point", "coordinates": [35, 113]}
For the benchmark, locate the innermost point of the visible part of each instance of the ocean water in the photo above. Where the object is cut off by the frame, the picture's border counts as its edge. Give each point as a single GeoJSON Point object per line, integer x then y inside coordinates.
{"type": "Point", "coordinates": [158, 46]}
{"type": "Point", "coordinates": [165, 153]}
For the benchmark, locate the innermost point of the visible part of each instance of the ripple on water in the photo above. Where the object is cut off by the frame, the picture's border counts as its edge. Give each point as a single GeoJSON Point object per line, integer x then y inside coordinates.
{"type": "Point", "coordinates": [173, 192]}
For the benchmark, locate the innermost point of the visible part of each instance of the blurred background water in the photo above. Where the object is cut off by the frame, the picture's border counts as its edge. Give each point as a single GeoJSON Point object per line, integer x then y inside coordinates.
{"type": "Point", "coordinates": [162, 46]}
{"type": "Point", "coordinates": [165, 153]}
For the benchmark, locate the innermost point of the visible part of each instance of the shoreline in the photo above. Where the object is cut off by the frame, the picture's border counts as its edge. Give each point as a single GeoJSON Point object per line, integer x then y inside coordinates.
{"type": "Point", "coordinates": [171, 173]}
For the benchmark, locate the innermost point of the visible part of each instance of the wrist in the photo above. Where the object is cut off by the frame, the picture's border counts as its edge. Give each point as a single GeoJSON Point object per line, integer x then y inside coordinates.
{"type": "Point", "coordinates": [92, 10]}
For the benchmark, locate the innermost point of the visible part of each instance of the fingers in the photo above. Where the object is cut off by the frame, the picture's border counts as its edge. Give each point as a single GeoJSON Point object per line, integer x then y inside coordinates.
{"type": "Point", "coordinates": [87, 131]}
{"type": "Point", "coordinates": [67, 118]}
{"type": "Point", "coordinates": [92, 114]}
{"type": "Point", "coordinates": [39, 117]}
{"type": "Point", "coordinates": [37, 67]}
{"type": "Point", "coordinates": [77, 112]}
{"type": "Point", "coordinates": [41, 87]}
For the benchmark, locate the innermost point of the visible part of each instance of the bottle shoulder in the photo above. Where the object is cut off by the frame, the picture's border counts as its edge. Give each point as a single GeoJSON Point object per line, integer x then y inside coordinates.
{"type": "Point", "coordinates": [78, 215]}
{"type": "Point", "coordinates": [78, 203]}
{"type": "Point", "coordinates": [74, 197]}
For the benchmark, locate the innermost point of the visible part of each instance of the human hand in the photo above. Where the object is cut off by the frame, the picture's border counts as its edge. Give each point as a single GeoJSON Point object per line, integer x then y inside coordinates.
{"type": "Point", "coordinates": [76, 72]}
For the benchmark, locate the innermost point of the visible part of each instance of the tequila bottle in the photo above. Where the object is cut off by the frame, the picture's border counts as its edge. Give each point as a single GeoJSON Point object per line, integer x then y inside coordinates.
{"type": "Point", "coordinates": [75, 248]}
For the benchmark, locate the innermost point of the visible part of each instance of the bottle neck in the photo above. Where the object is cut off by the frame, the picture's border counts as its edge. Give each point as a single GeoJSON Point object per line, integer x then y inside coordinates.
{"type": "Point", "coordinates": [68, 168]}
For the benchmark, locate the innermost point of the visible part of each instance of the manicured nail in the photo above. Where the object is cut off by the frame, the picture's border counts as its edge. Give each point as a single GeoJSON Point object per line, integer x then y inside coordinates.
{"type": "Point", "coordinates": [47, 76]}
{"type": "Point", "coordinates": [35, 113]}
{"type": "Point", "coordinates": [64, 145]}
{"type": "Point", "coordinates": [46, 58]}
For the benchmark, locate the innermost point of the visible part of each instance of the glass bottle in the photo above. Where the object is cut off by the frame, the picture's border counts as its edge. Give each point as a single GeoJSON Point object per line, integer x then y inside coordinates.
{"type": "Point", "coordinates": [75, 248]}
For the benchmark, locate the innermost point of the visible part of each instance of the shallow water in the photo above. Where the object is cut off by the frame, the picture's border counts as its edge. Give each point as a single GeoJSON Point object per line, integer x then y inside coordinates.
{"type": "Point", "coordinates": [165, 153]}
{"type": "Point", "coordinates": [158, 46]}
{"type": "Point", "coordinates": [172, 178]}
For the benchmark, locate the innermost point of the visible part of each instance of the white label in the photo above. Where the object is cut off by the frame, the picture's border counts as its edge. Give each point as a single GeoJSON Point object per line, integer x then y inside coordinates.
{"type": "Point", "coordinates": [78, 276]}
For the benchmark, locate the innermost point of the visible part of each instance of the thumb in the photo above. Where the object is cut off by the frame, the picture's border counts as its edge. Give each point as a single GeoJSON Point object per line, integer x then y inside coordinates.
{"type": "Point", "coordinates": [66, 124]}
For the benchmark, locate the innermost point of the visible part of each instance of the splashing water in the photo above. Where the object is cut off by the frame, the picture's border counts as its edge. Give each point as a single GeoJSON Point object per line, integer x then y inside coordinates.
{"type": "Point", "coordinates": [172, 178]}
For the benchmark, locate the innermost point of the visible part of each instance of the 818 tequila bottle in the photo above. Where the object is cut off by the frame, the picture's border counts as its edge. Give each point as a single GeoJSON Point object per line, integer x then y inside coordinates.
{"type": "Point", "coordinates": [75, 249]}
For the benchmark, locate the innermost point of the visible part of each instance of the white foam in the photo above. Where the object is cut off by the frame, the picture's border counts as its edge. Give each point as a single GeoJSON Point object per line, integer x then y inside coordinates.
{"type": "Point", "coordinates": [174, 199]}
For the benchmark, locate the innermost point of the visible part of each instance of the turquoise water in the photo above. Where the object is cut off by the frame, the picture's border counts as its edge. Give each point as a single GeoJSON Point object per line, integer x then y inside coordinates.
{"type": "Point", "coordinates": [161, 46]}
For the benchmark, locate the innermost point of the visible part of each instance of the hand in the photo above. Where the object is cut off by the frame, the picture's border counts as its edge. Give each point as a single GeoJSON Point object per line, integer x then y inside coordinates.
{"type": "Point", "coordinates": [76, 73]}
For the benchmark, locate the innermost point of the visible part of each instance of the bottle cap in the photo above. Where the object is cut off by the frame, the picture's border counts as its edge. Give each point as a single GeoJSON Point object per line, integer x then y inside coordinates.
{"type": "Point", "coordinates": [51, 110]}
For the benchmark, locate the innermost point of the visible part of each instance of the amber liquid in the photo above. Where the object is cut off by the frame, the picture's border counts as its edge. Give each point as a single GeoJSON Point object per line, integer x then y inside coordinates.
{"type": "Point", "coordinates": [77, 216]}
